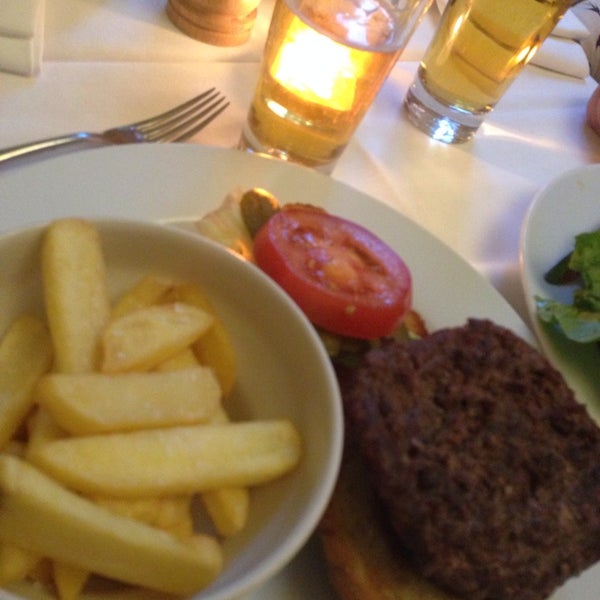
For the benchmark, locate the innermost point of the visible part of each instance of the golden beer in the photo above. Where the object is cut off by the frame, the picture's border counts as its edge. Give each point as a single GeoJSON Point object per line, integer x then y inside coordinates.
{"type": "Point", "coordinates": [483, 45]}
{"type": "Point", "coordinates": [478, 50]}
{"type": "Point", "coordinates": [321, 71]}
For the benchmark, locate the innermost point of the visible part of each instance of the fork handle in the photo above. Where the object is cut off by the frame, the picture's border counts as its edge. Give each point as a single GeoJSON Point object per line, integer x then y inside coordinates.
{"type": "Point", "coordinates": [43, 145]}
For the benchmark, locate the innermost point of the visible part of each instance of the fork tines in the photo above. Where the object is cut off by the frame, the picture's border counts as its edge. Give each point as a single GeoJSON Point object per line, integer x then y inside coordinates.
{"type": "Point", "coordinates": [184, 120]}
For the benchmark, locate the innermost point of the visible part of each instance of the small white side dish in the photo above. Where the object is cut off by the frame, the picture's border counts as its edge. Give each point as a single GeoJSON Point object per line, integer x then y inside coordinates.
{"type": "Point", "coordinates": [283, 372]}
{"type": "Point", "coordinates": [569, 205]}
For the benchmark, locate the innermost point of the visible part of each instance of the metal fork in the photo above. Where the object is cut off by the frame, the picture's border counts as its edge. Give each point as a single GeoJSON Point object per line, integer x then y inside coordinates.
{"type": "Point", "coordinates": [175, 125]}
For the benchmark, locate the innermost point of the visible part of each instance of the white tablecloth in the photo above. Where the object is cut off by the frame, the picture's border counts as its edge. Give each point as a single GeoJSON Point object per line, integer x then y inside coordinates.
{"type": "Point", "coordinates": [108, 62]}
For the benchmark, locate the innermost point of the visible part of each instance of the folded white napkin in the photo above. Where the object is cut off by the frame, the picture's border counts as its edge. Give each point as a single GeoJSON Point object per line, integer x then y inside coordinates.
{"type": "Point", "coordinates": [570, 27]}
{"type": "Point", "coordinates": [561, 51]}
{"type": "Point", "coordinates": [588, 12]}
{"type": "Point", "coordinates": [21, 36]}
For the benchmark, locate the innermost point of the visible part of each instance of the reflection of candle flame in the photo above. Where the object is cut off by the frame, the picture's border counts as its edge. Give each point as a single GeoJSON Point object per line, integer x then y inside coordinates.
{"type": "Point", "coordinates": [315, 68]}
{"type": "Point", "coordinates": [526, 54]}
{"type": "Point", "coordinates": [457, 25]}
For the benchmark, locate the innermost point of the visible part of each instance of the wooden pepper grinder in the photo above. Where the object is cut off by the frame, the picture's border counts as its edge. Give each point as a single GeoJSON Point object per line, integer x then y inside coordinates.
{"type": "Point", "coordinates": [216, 22]}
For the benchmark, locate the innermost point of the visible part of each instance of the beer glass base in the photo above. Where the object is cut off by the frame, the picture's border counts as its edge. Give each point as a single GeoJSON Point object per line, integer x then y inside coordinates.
{"type": "Point", "coordinates": [249, 143]}
{"type": "Point", "coordinates": [441, 122]}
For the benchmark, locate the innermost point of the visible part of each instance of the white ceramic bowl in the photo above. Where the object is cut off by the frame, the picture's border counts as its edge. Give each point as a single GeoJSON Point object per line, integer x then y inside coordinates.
{"type": "Point", "coordinates": [283, 372]}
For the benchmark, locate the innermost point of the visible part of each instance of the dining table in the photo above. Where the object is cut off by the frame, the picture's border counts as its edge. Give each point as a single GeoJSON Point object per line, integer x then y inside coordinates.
{"type": "Point", "coordinates": [111, 62]}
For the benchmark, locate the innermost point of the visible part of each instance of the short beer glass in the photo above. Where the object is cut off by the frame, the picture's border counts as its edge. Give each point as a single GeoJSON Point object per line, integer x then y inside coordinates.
{"type": "Point", "coordinates": [324, 63]}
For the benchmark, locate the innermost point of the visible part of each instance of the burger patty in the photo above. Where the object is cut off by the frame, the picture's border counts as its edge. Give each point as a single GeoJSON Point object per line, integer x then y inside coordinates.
{"type": "Point", "coordinates": [488, 467]}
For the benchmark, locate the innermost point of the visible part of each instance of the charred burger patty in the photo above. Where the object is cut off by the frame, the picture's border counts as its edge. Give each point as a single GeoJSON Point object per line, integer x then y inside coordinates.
{"type": "Point", "coordinates": [487, 466]}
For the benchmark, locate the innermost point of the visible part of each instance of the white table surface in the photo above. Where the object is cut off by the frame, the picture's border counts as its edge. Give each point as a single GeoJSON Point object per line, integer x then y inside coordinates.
{"type": "Point", "coordinates": [108, 62]}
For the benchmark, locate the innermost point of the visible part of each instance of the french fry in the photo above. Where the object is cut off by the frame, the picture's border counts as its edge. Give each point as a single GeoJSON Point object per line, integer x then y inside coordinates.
{"type": "Point", "coordinates": [174, 513]}
{"type": "Point", "coordinates": [215, 348]}
{"type": "Point", "coordinates": [78, 309]}
{"type": "Point", "coordinates": [96, 402]}
{"type": "Point", "coordinates": [147, 291]}
{"type": "Point", "coordinates": [227, 507]}
{"type": "Point", "coordinates": [15, 563]}
{"type": "Point", "coordinates": [15, 447]}
{"type": "Point", "coordinates": [173, 460]}
{"type": "Point", "coordinates": [183, 360]}
{"type": "Point", "coordinates": [69, 580]}
{"type": "Point", "coordinates": [170, 513]}
{"type": "Point", "coordinates": [79, 533]}
{"type": "Point", "coordinates": [183, 529]}
{"type": "Point", "coordinates": [143, 339]}
{"type": "Point", "coordinates": [25, 355]}
{"type": "Point", "coordinates": [41, 428]}
{"type": "Point", "coordinates": [75, 292]}
{"type": "Point", "coordinates": [175, 516]}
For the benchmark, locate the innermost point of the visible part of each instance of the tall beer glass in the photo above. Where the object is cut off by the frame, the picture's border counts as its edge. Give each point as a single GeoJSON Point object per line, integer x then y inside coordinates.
{"type": "Point", "coordinates": [478, 50]}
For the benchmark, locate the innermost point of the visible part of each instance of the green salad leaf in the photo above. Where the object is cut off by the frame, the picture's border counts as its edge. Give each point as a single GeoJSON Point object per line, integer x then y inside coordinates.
{"type": "Point", "coordinates": [579, 321]}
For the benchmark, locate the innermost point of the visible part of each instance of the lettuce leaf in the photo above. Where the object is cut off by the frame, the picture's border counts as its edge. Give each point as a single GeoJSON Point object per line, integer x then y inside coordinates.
{"type": "Point", "coordinates": [579, 321]}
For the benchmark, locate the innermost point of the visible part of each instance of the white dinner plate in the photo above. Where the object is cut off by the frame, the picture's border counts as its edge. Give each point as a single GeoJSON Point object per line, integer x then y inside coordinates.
{"type": "Point", "coordinates": [178, 183]}
{"type": "Point", "coordinates": [567, 206]}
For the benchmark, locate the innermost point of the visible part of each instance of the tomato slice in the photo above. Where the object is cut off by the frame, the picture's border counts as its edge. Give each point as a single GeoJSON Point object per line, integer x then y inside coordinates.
{"type": "Point", "coordinates": [344, 278]}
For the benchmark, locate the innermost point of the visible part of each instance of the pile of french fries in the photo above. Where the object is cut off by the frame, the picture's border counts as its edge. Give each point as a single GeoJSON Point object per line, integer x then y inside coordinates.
{"type": "Point", "coordinates": [112, 424]}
